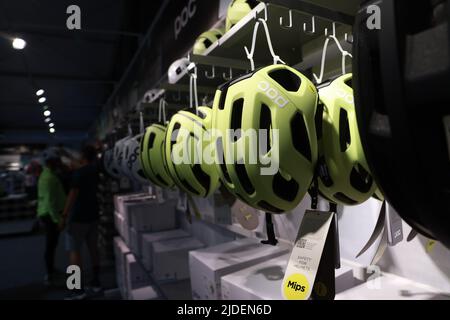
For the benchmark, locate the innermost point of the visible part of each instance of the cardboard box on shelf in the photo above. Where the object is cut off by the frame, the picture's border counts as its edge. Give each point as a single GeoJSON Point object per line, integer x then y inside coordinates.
{"type": "Point", "coordinates": [207, 266]}
{"type": "Point", "coordinates": [263, 281]}
{"type": "Point", "coordinates": [121, 250]}
{"type": "Point", "coordinates": [135, 275]}
{"type": "Point", "coordinates": [150, 216]}
{"type": "Point", "coordinates": [120, 199]}
{"type": "Point", "coordinates": [147, 239]}
{"type": "Point", "coordinates": [171, 258]}
{"type": "Point", "coordinates": [122, 227]}
{"type": "Point", "coordinates": [144, 293]}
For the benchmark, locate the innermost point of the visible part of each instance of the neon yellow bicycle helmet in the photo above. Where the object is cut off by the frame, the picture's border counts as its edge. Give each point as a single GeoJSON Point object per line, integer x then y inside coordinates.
{"type": "Point", "coordinates": [378, 195]}
{"type": "Point", "coordinates": [153, 157]}
{"type": "Point", "coordinates": [185, 145]}
{"type": "Point", "coordinates": [206, 39]}
{"type": "Point", "coordinates": [344, 176]}
{"type": "Point", "coordinates": [237, 10]}
{"type": "Point", "coordinates": [282, 102]}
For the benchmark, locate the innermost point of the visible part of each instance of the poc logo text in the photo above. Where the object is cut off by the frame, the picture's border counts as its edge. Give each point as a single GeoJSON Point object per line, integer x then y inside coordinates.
{"type": "Point", "coordinates": [272, 94]}
{"type": "Point", "coordinates": [187, 13]}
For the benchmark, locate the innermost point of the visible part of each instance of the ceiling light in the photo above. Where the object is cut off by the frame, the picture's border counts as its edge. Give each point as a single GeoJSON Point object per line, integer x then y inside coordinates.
{"type": "Point", "coordinates": [52, 130]}
{"type": "Point", "coordinates": [51, 125]}
{"type": "Point", "coordinates": [19, 43]}
{"type": "Point", "coordinates": [45, 108]}
{"type": "Point", "coordinates": [47, 113]}
{"type": "Point", "coordinates": [42, 99]}
{"type": "Point", "coordinates": [40, 92]}
{"type": "Point", "coordinates": [47, 120]}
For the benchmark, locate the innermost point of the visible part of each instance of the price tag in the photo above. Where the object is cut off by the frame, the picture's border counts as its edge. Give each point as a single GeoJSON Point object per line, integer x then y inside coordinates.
{"type": "Point", "coordinates": [313, 243]}
{"type": "Point", "coordinates": [394, 226]}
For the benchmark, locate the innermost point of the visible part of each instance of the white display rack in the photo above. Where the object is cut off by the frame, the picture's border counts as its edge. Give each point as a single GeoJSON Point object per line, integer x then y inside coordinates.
{"type": "Point", "coordinates": [291, 37]}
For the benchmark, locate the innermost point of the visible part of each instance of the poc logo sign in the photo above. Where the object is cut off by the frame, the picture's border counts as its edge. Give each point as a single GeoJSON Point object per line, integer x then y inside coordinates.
{"type": "Point", "coordinates": [183, 18]}
{"type": "Point", "coordinates": [272, 94]}
{"type": "Point", "coordinates": [348, 97]}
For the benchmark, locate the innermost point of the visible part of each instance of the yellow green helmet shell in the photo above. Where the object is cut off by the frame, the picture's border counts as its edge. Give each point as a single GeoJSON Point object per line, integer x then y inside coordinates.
{"type": "Point", "coordinates": [344, 176]}
{"type": "Point", "coordinates": [153, 157]}
{"type": "Point", "coordinates": [282, 102]}
{"type": "Point", "coordinates": [237, 10]}
{"type": "Point", "coordinates": [378, 195]}
{"type": "Point", "coordinates": [206, 39]}
{"type": "Point", "coordinates": [186, 140]}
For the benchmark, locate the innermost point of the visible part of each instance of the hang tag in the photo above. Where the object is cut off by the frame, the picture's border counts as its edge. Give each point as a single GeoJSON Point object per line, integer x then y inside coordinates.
{"type": "Point", "coordinates": [379, 228]}
{"type": "Point", "coordinates": [245, 215]}
{"type": "Point", "coordinates": [382, 246]}
{"type": "Point", "coordinates": [310, 270]}
{"type": "Point", "coordinates": [394, 226]}
{"type": "Point", "coordinates": [446, 120]}
{"type": "Point", "coordinates": [412, 235]}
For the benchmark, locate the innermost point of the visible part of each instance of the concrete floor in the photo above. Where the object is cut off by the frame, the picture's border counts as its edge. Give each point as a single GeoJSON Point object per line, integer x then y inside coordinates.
{"type": "Point", "coordinates": [22, 267]}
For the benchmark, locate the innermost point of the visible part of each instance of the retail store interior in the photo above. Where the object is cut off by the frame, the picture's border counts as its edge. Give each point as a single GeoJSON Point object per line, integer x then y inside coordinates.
{"type": "Point", "coordinates": [224, 150]}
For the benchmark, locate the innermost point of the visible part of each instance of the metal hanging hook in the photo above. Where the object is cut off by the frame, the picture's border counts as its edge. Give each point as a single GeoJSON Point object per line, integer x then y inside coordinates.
{"type": "Point", "coordinates": [265, 13]}
{"type": "Point", "coordinates": [348, 38]}
{"type": "Point", "coordinates": [229, 76]}
{"type": "Point", "coordinates": [212, 75]}
{"type": "Point", "coordinates": [289, 25]}
{"type": "Point", "coordinates": [334, 30]}
{"type": "Point", "coordinates": [313, 26]}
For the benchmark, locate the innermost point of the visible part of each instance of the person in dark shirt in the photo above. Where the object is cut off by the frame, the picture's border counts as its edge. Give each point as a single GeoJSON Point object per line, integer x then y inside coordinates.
{"type": "Point", "coordinates": [80, 217]}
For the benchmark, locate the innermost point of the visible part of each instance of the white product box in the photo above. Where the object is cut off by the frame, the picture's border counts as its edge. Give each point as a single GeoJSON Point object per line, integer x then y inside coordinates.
{"type": "Point", "coordinates": [208, 265]}
{"type": "Point", "coordinates": [264, 280]}
{"type": "Point", "coordinates": [211, 234]}
{"type": "Point", "coordinates": [120, 252]}
{"type": "Point", "coordinates": [150, 215]}
{"type": "Point", "coordinates": [136, 277]}
{"type": "Point", "coordinates": [120, 199]}
{"type": "Point", "coordinates": [212, 209]}
{"type": "Point", "coordinates": [122, 227]}
{"type": "Point", "coordinates": [134, 241]}
{"type": "Point", "coordinates": [147, 239]}
{"type": "Point", "coordinates": [171, 258]}
{"type": "Point", "coordinates": [144, 293]}
{"type": "Point", "coordinates": [261, 281]}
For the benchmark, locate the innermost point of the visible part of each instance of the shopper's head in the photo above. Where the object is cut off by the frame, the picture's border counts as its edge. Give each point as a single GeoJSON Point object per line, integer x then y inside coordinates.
{"type": "Point", "coordinates": [88, 154]}
{"type": "Point", "coordinates": [51, 158]}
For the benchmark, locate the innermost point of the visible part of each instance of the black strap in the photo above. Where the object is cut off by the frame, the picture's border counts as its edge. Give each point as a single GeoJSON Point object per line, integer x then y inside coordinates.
{"type": "Point", "coordinates": [271, 239]}
{"type": "Point", "coordinates": [314, 190]}
{"type": "Point", "coordinates": [333, 207]}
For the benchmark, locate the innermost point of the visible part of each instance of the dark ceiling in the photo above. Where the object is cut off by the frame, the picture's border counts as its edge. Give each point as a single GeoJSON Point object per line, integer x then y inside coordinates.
{"type": "Point", "coordinates": [77, 68]}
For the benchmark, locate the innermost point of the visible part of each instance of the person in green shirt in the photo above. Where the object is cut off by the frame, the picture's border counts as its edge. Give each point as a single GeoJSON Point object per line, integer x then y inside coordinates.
{"type": "Point", "coordinates": [51, 200]}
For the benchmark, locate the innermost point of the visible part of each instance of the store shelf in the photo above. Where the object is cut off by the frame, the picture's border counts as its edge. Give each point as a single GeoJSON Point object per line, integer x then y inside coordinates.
{"type": "Point", "coordinates": [288, 42]}
{"type": "Point", "coordinates": [339, 11]}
